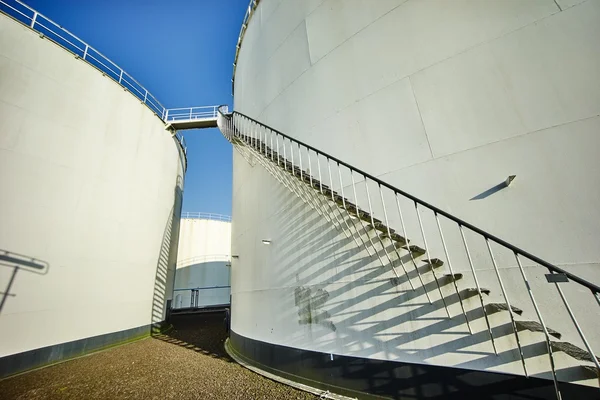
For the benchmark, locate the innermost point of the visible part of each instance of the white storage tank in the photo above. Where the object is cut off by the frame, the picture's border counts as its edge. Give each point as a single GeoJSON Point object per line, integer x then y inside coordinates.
{"type": "Point", "coordinates": [92, 188]}
{"type": "Point", "coordinates": [443, 100]}
{"type": "Point", "coordinates": [202, 278]}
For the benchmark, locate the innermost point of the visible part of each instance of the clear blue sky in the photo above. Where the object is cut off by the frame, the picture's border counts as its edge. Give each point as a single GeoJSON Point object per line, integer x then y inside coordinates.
{"type": "Point", "coordinates": [182, 52]}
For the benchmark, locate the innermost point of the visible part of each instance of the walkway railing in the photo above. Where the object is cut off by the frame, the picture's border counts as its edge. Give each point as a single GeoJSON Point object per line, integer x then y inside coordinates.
{"type": "Point", "coordinates": [349, 199]}
{"type": "Point", "coordinates": [196, 301]}
{"type": "Point", "coordinates": [204, 215]}
{"type": "Point", "coordinates": [53, 31]}
{"type": "Point", "coordinates": [191, 113]}
{"type": "Point", "coordinates": [249, 12]}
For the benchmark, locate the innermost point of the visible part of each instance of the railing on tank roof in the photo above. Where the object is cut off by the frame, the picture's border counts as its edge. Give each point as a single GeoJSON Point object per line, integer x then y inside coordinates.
{"type": "Point", "coordinates": [53, 31]}
{"type": "Point", "coordinates": [204, 215]}
{"type": "Point", "coordinates": [204, 259]}
{"type": "Point", "coordinates": [59, 35]}
{"type": "Point", "coordinates": [249, 12]}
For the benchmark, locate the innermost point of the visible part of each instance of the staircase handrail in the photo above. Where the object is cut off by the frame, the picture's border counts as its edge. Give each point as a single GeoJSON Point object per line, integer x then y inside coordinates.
{"type": "Point", "coordinates": [595, 289]}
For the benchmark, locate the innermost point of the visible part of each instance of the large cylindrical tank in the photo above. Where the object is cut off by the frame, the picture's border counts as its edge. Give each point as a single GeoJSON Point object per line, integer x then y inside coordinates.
{"type": "Point", "coordinates": [444, 100]}
{"type": "Point", "coordinates": [202, 278]}
{"type": "Point", "coordinates": [92, 187]}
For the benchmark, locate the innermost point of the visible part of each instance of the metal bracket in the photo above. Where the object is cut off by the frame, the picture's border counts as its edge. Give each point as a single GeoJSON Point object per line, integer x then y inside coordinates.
{"type": "Point", "coordinates": [556, 278]}
{"type": "Point", "coordinates": [508, 180]}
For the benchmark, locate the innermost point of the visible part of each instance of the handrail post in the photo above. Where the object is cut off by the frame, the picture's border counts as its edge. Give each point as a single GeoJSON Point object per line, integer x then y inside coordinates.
{"type": "Point", "coordinates": [462, 306]}
{"type": "Point", "coordinates": [33, 19]}
{"type": "Point", "coordinates": [121, 76]}
{"type": "Point", "coordinates": [508, 305]}
{"type": "Point", "coordinates": [145, 96]}
{"type": "Point", "coordinates": [166, 114]}
{"type": "Point", "coordinates": [85, 51]}
{"type": "Point", "coordinates": [577, 327]}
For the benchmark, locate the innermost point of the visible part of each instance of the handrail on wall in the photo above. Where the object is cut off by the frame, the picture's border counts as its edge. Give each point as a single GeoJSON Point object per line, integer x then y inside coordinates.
{"type": "Point", "coordinates": [594, 288]}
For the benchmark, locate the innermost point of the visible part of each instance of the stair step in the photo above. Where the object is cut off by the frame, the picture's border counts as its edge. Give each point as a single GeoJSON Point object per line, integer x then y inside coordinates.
{"type": "Point", "coordinates": [572, 350]}
{"type": "Point", "coordinates": [493, 307]}
{"type": "Point", "coordinates": [473, 291]}
{"type": "Point", "coordinates": [380, 226]}
{"type": "Point", "coordinates": [339, 199]}
{"type": "Point", "coordinates": [327, 192]}
{"type": "Point", "coordinates": [395, 237]}
{"type": "Point", "coordinates": [415, 250]}
{"type": "Point", "coordinates": [535, 326]}
{"type": "Point", "coordinates": [317, 185]}
{"type": "Point", "coordinates": [592, 369]}
{"type": "Point", "coordinates": [434, 262]}
{"type": "Point", "coordinates": [452, 277]}
{"type": "Point", "coordinates": [362, 214]}
{"type": "Point", "coordinates": [351, 208]}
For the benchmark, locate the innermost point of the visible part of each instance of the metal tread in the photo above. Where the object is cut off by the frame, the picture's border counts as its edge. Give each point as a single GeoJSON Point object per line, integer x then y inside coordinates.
{"type": "Point", "coordinates": [591, 369]}
{"type": "Point", "coordinates": [572, 350]}
{"type": "Point", "coordinates": [380, 226]}
{"type": "Point", "coordinates": [535, 326]}
{"type": "Point", "coordinates": [433, 262]}
{"type": "Point", "coordinates": [415, 250]}
{"type": "Point", "coordinates": [395, 237]}
{"type": "Point", "coordinates": [473, 291]}
{"type": "Point", "coordinates": [493, 307]}
{"type": "Point", "coordinates": [453, 277]}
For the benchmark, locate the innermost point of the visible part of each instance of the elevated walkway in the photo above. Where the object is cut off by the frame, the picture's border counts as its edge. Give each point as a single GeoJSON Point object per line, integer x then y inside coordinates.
{"type": "Point", "coordinates": [191, 118]}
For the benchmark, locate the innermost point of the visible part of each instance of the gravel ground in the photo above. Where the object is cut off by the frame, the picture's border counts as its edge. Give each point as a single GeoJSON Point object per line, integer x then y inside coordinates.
{"type": "Point", "coordinates": [187, 363]}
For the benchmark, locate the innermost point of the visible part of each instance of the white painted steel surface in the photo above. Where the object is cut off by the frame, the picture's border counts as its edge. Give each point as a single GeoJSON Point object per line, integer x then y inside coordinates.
{"type": "Point", "coordinates": [92, 185]}
{"type": "Point", "coordinates": [203, 259]}
{"type": "Point", "coordinates": [443, 100]}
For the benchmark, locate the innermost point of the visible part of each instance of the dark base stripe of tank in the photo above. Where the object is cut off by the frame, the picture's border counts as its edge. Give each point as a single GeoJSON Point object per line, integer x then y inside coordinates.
{"type": "Point", "coordinates": [27, 360]}
{"type": "Point", "coordinates": [368, 378]}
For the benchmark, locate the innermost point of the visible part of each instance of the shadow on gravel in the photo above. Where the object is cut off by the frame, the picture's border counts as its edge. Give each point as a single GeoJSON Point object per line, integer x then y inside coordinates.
{"type": "Point", "coordinates": [203, 333]}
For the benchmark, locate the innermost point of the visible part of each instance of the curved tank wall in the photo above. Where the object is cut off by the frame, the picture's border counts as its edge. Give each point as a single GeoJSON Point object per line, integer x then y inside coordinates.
{"type": "Point", "coordinates": [443, 100]}
{"type": "Point", "coordinates": [91, 189]}
{"type": "Point", "coordinates": [203, 263]}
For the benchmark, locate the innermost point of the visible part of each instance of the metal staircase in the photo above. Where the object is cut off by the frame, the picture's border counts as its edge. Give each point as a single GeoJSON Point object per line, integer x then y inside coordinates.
{"type": "Point", "coordinates": [349, 199]}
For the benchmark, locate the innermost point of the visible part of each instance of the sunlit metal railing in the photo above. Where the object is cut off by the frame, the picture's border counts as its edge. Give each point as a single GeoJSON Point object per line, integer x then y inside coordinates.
{"type": "Point", "coordinates": [191, 113]}
{"type": "Point", "coordinates": [204, 259]}
{"type": "Point", "coordinates": [195, 298]}
{"type": "Point", "coordinates": [59, 35]}
{"type": "Point", "coordinates": [205, 215]}
{"type": "Point", "coordinates": [53, 31]}
{"type": "Point", "coordinates": [249, 12]}
{"type": "Point", "coordinates": [350, 198]}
